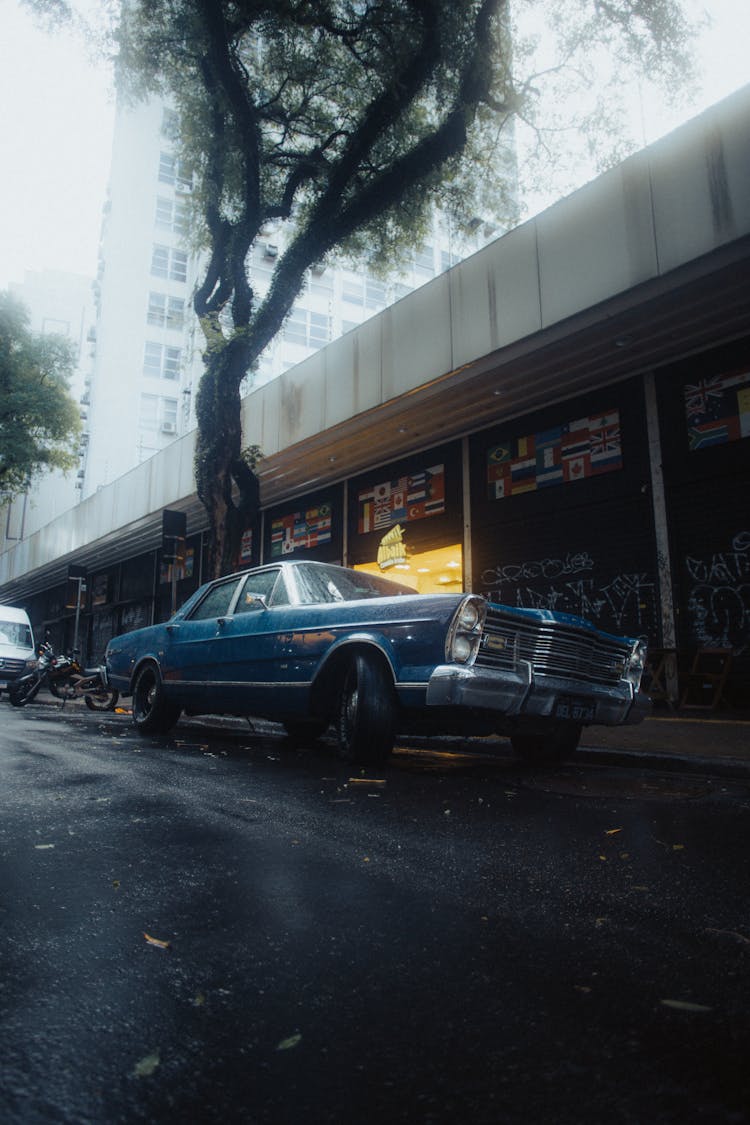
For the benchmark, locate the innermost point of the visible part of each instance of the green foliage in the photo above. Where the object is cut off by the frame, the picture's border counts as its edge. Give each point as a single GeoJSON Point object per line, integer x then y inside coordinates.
{"type": "Point", "coordinates": [39, 421]}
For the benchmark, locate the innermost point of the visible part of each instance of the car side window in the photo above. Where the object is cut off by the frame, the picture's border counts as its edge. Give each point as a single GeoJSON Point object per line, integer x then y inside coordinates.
{"type": "Point", "coordinates": [216, 602]}
{"type": "Point", "coordinates": [266, 584]}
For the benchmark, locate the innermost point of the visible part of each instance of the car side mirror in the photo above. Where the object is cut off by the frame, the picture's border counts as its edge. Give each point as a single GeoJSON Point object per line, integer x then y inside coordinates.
{"type": "Point", "coordinates": [254, 601]}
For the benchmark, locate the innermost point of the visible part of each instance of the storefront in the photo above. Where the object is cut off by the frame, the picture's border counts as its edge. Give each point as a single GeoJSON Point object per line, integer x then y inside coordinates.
{"type": "Point", "coordinates": [705, 416]}
{"type": "Point", "coordinates": [561, 512]}
{"type": "Point", "coordinates": [405, 521]}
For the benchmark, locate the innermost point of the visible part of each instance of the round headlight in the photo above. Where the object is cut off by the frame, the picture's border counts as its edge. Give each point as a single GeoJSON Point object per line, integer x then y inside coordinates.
{"type": "Point", "coordinates": [462, 649]}
{"type": "Point", "coordinates": [468, 618]}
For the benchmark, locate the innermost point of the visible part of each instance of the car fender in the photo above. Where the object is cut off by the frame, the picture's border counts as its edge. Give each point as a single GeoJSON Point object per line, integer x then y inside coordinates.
{"type": "Point", "coordinates": [146, 658]}
{"type": "Point", "coordinates": [327, 676]}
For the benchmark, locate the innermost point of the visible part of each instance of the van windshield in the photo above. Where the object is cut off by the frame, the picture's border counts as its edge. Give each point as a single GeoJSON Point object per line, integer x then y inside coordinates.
{"type": "Point", "coordinates": [15, 633]}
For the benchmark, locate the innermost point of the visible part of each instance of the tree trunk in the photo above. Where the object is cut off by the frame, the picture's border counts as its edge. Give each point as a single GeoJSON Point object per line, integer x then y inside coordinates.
{"type": "Point", "coordinates": [226, 486]}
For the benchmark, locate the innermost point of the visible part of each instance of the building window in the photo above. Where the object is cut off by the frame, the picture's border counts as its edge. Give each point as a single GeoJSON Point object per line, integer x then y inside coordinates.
{"type": "Point", "coordinates": [148, 417]}
{"type": "Point", "coordinates": [375, 297]}
{"type": "Point", "coordinates": [353, 292]}
{"type": "Point", "coordinates": [172, 171]}
{"type": "Point", "coordinates": [170, 123]}
{"type": "Point", "coordinates": [158, 414]}
{"type": "Point", "coordinates": [321, 285]}
{"type": "Point", "coordinates": [169, 414]}
{"type": "Point", "coordinates": [171, 214]}
{"type": "Point", "coordinates": [165, 312]}
{"type": "Point", "coordinates": [310, 329]}
{"type": "Point", "coordinates": [167, 262]}
{"type": "Point", "coordinates": [424, 262]}
{"type": "Point", "coordinates": [160, 361]}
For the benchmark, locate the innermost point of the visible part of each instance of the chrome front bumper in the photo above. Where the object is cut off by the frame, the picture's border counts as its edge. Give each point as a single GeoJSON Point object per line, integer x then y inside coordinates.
{"type": "Point", "coordinates": [521, 694]}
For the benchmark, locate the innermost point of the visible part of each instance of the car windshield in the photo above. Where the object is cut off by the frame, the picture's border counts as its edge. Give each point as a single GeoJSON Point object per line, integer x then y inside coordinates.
{"type": "Point", "coordinates": [316, 584]}
{"type": "Point", "coordinates": [15, 633]}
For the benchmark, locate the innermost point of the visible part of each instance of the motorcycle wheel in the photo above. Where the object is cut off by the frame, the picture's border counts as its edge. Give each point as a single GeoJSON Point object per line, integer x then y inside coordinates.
{"type": "Point", "coordinates": [21, 694]}
{"type": "Point", "coordinates": [103, 700]}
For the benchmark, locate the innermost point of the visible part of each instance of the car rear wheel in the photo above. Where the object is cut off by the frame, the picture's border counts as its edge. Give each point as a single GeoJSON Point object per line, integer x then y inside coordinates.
{"type": "Point", "coordinates": [365, 716]}
{"type": "Point", "coordinates": [152, 713]}
{"type": "Point", "coordinates": [547, 748]}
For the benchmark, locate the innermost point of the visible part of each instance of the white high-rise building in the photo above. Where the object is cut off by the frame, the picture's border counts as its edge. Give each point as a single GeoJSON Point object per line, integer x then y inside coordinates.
{"type": "Point", "coordinates": [148, 343]}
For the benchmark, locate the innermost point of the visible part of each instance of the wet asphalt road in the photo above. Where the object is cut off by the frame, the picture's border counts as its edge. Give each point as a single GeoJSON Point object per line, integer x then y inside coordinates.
{"type": "Point", "coordinates": [450, 939]}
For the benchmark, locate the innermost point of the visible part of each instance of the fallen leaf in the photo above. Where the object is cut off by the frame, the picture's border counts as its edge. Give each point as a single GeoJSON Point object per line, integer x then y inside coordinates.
{"type": "Point", "coordinates": [730, 933]}
{"type": "Point", "coordinates": [367, 781]}
{"type": "Point", "coordinates": [678, 847]}
{"type": "Point", "coordinates": [147, 1065]}
{"type": "Point", "coordinates": [157, 942]}
{"type": "Point", "coordinates": [686, 1006]}
{"type": "Point", "coordinates": [43, 847]}
{"type": "Point", "coordinates": [287, 1044]}
{"type": "Point", "coordinates": [116, 884]}
{"type": "Point", "coordinates": [612, 831]}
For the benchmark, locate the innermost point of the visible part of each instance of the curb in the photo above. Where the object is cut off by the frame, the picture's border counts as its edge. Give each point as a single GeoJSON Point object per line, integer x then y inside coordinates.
{"type": "Point", "coordinates": [737, 768]}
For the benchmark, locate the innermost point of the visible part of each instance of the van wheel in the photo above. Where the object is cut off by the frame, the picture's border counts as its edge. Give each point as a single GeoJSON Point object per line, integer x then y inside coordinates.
{"type": "Point", "coordinates": [152, 713]}
{"type": "Point", "coordinates": [366, 710]}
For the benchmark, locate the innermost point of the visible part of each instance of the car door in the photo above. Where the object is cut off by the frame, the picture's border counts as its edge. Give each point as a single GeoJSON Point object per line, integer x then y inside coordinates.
{"type": "Point", "coordinates": [244, 650]}
{"type": "Point", "coordinates": [189, 660]}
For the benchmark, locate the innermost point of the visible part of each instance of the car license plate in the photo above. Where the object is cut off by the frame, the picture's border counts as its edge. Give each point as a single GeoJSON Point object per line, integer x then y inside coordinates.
{"type": "Point", "coordinates": [576, 710]}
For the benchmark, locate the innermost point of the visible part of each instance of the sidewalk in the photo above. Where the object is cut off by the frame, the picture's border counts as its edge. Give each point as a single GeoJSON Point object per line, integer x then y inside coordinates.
{"type": "Point", "coordinates": [694, 741]}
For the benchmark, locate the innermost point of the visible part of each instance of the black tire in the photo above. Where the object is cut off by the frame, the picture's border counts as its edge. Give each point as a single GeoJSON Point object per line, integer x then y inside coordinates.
{"type": "Point", "coordinates": [105, 699]}
{"type": "Point", "coordinates": [22, 693]}
{"type": "Point", "coordinates": [546, 749]}
{"type": "Point", "coordinates": [152, 713]}
{"type": "Point", "coordinates": [366, 711]}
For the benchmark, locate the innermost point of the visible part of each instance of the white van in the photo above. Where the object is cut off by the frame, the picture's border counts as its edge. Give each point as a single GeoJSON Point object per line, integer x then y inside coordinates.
{"type": "Point", "coordinates": [16, 644]}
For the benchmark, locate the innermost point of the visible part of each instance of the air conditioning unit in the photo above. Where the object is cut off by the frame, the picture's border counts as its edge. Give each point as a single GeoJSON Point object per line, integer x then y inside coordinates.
{"type": "Point", "coordinates": [271, 250]}
{"type": "Point", "coordinates": [168, 428]}
{"type": "Point", "coordinates": [318, 269]}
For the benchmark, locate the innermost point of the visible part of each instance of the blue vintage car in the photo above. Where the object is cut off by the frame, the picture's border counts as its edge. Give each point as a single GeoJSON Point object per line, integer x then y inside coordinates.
{"type": "Point", "coordinates": [312, 646]}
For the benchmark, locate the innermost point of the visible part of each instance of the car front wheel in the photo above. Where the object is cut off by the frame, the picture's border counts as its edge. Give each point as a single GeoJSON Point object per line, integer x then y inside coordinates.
{"type": "Point", "coordinates": [540, 749]}
{"type": "Point", "coordinates": [365, 719]}
{"type": "Point", "coordinates": [152, 713]}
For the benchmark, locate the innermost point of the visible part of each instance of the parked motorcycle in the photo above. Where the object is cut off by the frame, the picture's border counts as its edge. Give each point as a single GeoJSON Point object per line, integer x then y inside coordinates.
{"type": "Point", "coordinates": [66, 679]}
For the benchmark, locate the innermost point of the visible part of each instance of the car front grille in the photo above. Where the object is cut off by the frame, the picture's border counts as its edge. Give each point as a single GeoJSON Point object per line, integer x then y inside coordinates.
{"type": "Point", "coordinates": [552, 648]}
{"type": "Point", "coordinates": [10, 668]}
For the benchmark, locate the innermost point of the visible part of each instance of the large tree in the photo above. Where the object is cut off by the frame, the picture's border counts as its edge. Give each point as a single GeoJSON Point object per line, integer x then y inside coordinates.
{"type": "Point", "coordinates": [345, 121]}
{"type": "Point", "coordinates": [39, 421]}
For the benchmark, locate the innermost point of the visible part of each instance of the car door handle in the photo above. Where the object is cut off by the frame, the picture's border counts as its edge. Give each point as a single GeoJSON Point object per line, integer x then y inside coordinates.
{"type": "Point", "coordinates": [173, 628]}
{"type": "Point", "coordinates": [221, 622]}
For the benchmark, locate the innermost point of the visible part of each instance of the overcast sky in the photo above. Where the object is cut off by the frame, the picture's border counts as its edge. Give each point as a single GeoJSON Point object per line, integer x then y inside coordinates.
{"type": "Point", "coordinates": [56, 131]}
